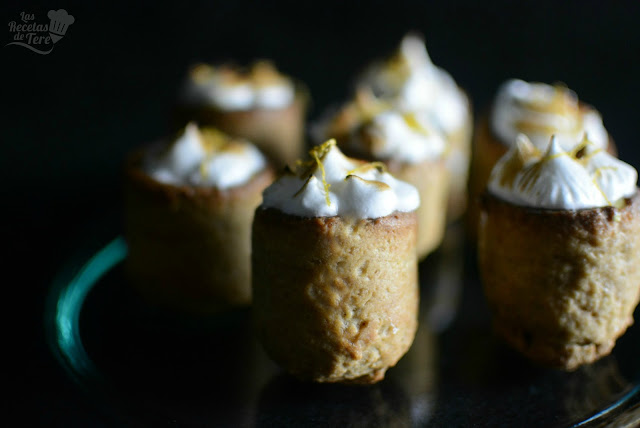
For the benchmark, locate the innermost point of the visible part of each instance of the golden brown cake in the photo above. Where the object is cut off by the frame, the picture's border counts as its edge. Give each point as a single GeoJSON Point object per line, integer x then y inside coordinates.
{"type": "Point", "coordinates": [408, 144]}
{"type": "Point", "coordinates": [335, 278]}
{"type": "Point", "coordinates": [188, 214]}
{"type": "Point", "coordinates": [412, 83]}
{"type": "Point", "coordinates": [259, 104]}
{"type": "Point", "coordinates": [559, 252]}
{"type": "Point", "coordinates": [538, 111]}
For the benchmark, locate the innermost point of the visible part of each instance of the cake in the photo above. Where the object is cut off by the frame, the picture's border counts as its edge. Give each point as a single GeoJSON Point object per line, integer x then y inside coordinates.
{"type": "Point", "coordinates": [411, 82]}
{"type": "Point", "coordinates": [189, 207]}
{"type": "Point", "coordinates": [335, 278]}
{"type": "Point", "coordinates": [409, 145]}
{"type": "Point", "coordinates": [537, 110]}
{"type": "Point", "coordinates": [258, 103]}
{"type": "Point", "coordinates": [559, 251]}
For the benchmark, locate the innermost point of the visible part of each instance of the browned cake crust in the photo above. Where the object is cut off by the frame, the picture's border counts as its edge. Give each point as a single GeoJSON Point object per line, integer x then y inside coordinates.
{"type": "Point", "coordinates": [562, 284]}
{"type": "Point", "coordinates": [487, 150]}
{"type": "Point", "coordinates": [431, 178]}
{"type": "Point", "coordinates": [335, 300]}
{"type": "Point", "coordinates": [279, 133]}
{"type": "Point", "coordinates": [189, 247]}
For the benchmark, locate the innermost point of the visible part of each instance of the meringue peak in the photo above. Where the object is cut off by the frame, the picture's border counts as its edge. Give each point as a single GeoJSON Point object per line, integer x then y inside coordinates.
{"type": "Point", "coordinates": [559, 179]}
{"type": "Point", "coordinates": [331, 184]}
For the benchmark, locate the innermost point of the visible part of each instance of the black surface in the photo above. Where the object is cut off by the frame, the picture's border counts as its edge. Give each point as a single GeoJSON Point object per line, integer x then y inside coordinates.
{"type": "Point", "coordinates": [141, 366]}
{"type": "Point", "coordinates": [70, 116]}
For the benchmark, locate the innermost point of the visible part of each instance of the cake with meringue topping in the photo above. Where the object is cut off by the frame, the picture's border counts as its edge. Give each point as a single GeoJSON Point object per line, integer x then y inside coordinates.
{"type": "Point", "coordinates": [539, 111]}
{"type": "Point", "coordinates": [410, 145]}
{"type": "Point", "coordinates": [258, 103]}
{"type": "Point", "coordinates": [412, 83]}
{"type": "Point", "coordinates": [189, 205]}
{"type": "Point", "coordinates": [559, 250]}
{"type": "Point", "coordinates": [335, 277]}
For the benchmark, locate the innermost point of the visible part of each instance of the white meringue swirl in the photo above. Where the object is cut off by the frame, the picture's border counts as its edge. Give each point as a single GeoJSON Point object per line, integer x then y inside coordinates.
{"type": "Point", "coordinates": [585, 178]}
{"type": "Point", "coordinates": [539, 110]}
{"type": "Point", "coordinates": [335, 185]}
{"type": "Point", "coordinates": [413, 83]}
{"type": "Point", "coordinates": [190, 161]}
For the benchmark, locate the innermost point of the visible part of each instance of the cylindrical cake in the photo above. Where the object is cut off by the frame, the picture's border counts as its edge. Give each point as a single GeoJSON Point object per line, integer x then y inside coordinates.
{"type": "Point", "coordinates": [335, 299]}
{"type": "Point", "coordinates": [279, 133]}
{"type": "Point", "coordinates": [458, 163]}
{"type": "Point", "coordinates": [189, 246]}
{"type": "Point", "coordinates": [559, 251]}
{"type": "Point", "coordinates": [259, 104]}
{"type": "Point", "coordinates": [411, 82]}
{"type": "Point", "coordinates": [335, 269]}
{"type": "Point", "coordinates": [432, 180]}
{"type": "Point", "coordinates": [562, 285]}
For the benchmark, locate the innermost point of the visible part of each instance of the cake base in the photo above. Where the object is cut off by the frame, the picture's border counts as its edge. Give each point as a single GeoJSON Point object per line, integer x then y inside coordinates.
{"type": "Point", "coordinates": [431, 178]}
{"type": "Point", "coordinates": [189, 247]}
{"type": "Point", "coordinates": [458, 161]}
{"type": "Point", "coordinates": [562, 284]}
{"type": "Point", "coordinates": [335, 300]}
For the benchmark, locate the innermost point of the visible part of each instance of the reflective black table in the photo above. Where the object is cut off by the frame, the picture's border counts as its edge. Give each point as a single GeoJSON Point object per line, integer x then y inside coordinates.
{"type": "Point", "coordinates": [144, 367]}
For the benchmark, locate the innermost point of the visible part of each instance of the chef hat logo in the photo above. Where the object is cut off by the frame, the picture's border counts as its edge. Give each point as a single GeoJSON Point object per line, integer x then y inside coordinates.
{"type": "Point", "coordinates": [60, 21]}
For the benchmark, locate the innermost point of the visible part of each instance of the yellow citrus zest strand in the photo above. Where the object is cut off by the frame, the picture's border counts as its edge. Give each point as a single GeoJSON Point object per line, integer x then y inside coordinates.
{"type": "Point", "coordinates": [598, 173]}
{"type": "Point", "coordinates": [317, 154]}
{"type": "Point", "coordinates": [365, 167]}
{"type": "Point", "coordinates": [326, 185]}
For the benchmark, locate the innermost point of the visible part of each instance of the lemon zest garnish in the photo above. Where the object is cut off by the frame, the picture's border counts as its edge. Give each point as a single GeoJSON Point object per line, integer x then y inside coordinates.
{"type": "Point", "coordinates": [579, 150]}
{"type": "Point", "coordinates": [264, 73]}
{"type": "Point", "coordinates": [318, 159]}
{"type": "Point", "coordinates": [204, 172]}
{"type": "Point", "coordinates": [551, 157]}
{"type": "Point", "coordinates": [367, 105]}
{"type": "Point", "coordinates": [213, 140]}
{"type": "Point", "coordinates": [366, 166]}
{"type": "Point", "coordinates": [307, 167]}
{"type": "Point", "coordinates": [317, 154]}
{"type": "Point", "coordinates": [413, 123]}
{"type": "Point", "coordinates": [597, 173]}
{"type": "Point", "coordinates": [379, 184]}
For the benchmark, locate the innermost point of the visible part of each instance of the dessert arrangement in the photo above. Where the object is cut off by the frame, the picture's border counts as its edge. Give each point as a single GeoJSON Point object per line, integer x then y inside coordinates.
{"type": "Point", "coordinates": [325, 249]}
{"type": "Point", "coordinates": [257, 103]}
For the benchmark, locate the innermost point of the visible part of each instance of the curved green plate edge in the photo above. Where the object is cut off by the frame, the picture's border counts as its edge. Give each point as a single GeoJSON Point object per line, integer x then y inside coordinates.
{"type": "Point", "coordinates": [62, 311]}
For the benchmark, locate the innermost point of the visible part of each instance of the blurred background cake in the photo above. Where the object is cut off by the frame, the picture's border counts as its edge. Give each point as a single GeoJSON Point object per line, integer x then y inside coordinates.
{"type": "Point", "coordinates": [258, 103]}
{"type": "Point", "coordinates": [412, 83]}
{"type": "Point", "coordinates": [189, 206]}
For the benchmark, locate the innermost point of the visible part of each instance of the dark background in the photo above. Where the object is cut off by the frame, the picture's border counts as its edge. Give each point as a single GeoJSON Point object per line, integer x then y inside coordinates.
{"type": "Point", "coordinates": [70, 117]}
